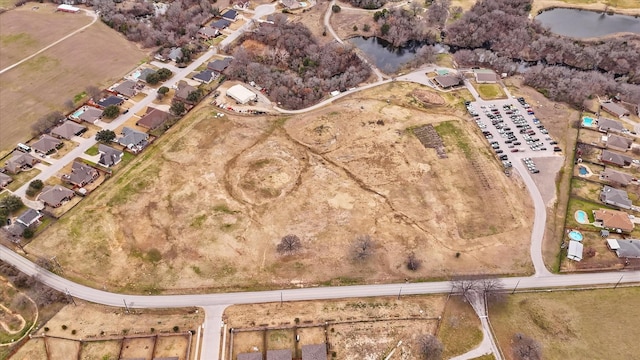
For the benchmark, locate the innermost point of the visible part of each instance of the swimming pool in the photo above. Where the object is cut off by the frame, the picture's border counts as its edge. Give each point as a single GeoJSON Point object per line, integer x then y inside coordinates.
{"type": "Point", "coordinates": [581, 217]}
{"type": "Point", "coordinates": [136, 74]}
{"type": "Point", "coordinates": [587, 121]}
{"type": "Point", "coordinates": [575, 235]}
{"type": "Point", "coordinates": [78, 113]}
{"type": "Point", "coordinates": [583, 170]}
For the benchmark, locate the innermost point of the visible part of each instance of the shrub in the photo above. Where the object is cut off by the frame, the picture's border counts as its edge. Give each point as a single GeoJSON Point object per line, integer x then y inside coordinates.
{"type": "Point", "coordinates": [46, 329]}
{"type": "Point", "coordinates": [355, 27]}
{"type": "Point", "coordinates": [64, 327]}
{"type": "Point", "coordinates": [366, 27]}
{"type": "Point", "coordinates": [176, 328]}
{"type": "Point", "coordinates": [73, 332]}
{"type": "Point", "coordinates": [336, 8]}
{"type": "Point", "coordinates": [36, 184]}
{"type": "Point", "coordinates": [27, 233]}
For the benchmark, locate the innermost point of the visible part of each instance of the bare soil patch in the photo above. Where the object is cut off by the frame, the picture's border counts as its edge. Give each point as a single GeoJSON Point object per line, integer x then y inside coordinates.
{"type": "Point", "coordinates": [33, 349]}
{"type": "Point", "coordinates": [207, 206]}
{"type": "Point", "coordinates": [100, 350]}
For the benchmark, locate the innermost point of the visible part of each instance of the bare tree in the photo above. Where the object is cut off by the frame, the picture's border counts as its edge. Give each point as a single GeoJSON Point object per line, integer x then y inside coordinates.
{"type": "Point", "coordinates": [413, 263]}
{"type": "Point", "coordinates": [430, 347]}
{"type": "Point", "coordinates": [526, 348]}
{"type": "Point", "coordinates": [363, 247]}
{"type": "Point", "coordinates": [491, 287]}
{"type": "Point", "coordinates": [289, 244]}
{"type": "Point", "coordinates": [93, 92]}
{"type": "Point", "coordinates": [465, 284]}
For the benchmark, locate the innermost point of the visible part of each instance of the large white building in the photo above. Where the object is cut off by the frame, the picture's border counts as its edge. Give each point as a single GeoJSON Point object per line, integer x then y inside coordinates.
{"type": "Point", "coordinates": [241, 94]}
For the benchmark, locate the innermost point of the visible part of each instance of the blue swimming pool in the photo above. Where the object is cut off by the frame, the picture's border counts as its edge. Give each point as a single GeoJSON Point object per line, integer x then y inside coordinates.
{"type": "Point", "coordinates": [583, 170]}
{"type": "Point", "coordinates": [587, 121]}
{"type": "Point", "coordinates": [581, 217]}
{"type": "Point", "coordinates": [575, 235]}
{"type": "Point", "coordinates": [78, 113]}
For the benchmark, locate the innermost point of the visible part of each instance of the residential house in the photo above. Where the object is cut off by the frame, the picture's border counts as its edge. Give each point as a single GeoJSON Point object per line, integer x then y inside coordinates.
{"type": "Point", "coordinates": [218, 66]}
{"type": "Point", "coordinates": [220, 24]}
{"type": "Point", "coordinates": [67, 130]}
{"type": "Point", "coordinates": [175, 54]}
{"type": "Point", "coordinates": [617, 142]}
{"type": "Point", "coordinates": [290, 4]}
{"type": "Point", "coordinates": [615, 197]}
{"type": "Point", "coordinates": [144, 73]}
{"type": "Point", "coordinates": [54, 196]}
{"type": "Point", "coordinates": [126, 88]}
{"type": "Point", "coordinates": [5, 180]}
{"type": "Point", "coordinates": [92, 115]}
{"type": "Point", "coordinates": [230, 15]}
{"type": "Point", "coordinates": [153, 118]}
{"type": "Point", "coordinates": [617, 221]}
{"type": "Point", "coordinates": [279, 354]}
{"type": "Point", "coordinates": [447, 81]}
{"type": "Point", "coordinates": [29, 218]}
{"type": "Point", "coordinates": [81, 174]}
{"type": "Point", "coordinates": [614, 109]}
{"type": "Point", "coordinates": [486, 77]}
{"type": "Point", "coordinates": [183, 90]}
{"type": "Point", "coordinates": [250, 356]}
{"type": "Point", "coordinates": [610, 157]}
{"type": "Point", "coordinates": [109, 156]}
{"type": "Point", "coordinates": [20, 161]}
{"type": "Point", "coordinates": [314, 352]}
{"type": "Point", "coordinates": [241, 4]}
{"type": "Point", "coordinates": [134, 140]}
{"type": "Point", "coordinates": [606, 125]}
{"type": "Point", "coordinates": [625, 248]}
{"type": "Point", "coordinates": [111, 100]}
{"type": "Point", "coordinates": [616, 177]}
{"type": "Point", "coordinates": [205, 76]}
{"type": "Point", "coordinates": [208, 33]}
{"type": "Point", "coordinates": [46, 144]}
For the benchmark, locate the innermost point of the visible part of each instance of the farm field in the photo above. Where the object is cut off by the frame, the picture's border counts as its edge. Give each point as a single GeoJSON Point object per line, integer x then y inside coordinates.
{"type": "Point", "coordinates": [571, 324]}
{"type": "Point", "coordinates": [97, 56]}
{"type": "Point", "coordinates": [203, 209]}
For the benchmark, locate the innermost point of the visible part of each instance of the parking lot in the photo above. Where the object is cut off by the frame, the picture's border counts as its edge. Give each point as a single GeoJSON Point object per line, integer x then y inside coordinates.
{"type": "Point", "coordinates": [513, 131]}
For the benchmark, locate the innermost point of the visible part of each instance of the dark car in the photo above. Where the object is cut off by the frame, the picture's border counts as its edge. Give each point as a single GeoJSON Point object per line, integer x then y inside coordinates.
{"type": "Point", "coordinates": [517, 143]}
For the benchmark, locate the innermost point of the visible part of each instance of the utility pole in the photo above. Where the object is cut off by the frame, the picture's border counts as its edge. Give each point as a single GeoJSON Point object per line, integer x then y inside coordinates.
{"type": "Point", "coordinates": [281, 300]}
{"type": "Point", "coordinates": [70, 297]}
{"type": "Point", "coordinates": [514, 289]}
{"type": "Point", "coordinates": [125, 305]}
{"type": "Point", "coordinates": [399, 292]}
{"type": "Point", "coordinates": [618, 283]}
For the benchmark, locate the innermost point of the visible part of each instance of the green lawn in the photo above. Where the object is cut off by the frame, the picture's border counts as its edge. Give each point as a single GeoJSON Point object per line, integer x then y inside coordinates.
{"type": "Point", "coordinates": [22, 178]}
{"type": "Point", "coordinates": [490, 91]}
{"type": "Point", "coordinates": [92, 151]}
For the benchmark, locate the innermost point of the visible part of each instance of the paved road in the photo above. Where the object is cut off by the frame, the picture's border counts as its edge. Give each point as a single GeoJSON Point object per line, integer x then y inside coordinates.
{"type": "Point", "coordinates": [88, 12]}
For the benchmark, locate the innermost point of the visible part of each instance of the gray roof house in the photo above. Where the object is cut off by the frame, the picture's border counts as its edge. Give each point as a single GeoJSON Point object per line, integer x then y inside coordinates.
{"type": "Point", "coordinates": [183, 90]}
{"type": "Point", "coordinates": [615, 197]}
{"type": "Point", "coordinates": [250, 356]}
{"type": "Point", "coordinates": [81, 174]}
{"type": "Point", "coordinates": [314, 352]}
{"type": "Point", "coordinates": [230, 15]}
{"type": "Point", "coordinates": [133, 139]}
{"type": "Point", "coordinates": [109, 156]}
{"type": "Point", "coordinates": [447, 81]}
{"type": "Point", "coordinates": [68, 129]}
{"type": "Point", "coordinates": [618, 142]}
{"type": "Point", "coordinates": [221, 24]}
{"type": "Point", "coordinates": [54, 196]}
{"type": "Point", "coordinates": [219, 65]}
{"type": "Point", "coordinates": [144, 73]}
{"type": "Point", "coordinates": [29, 217]}
{"type": "Point", "coordinates": [613, 176]}
{"type": "Point", "coordinates": [605, 125]}
{"type": "Point", "coordinates": [279, 354]}
{"type": "Point", "coordinates": [5, 180]}
{"type": "Point", "coordinates": [208, 32]}
{"type": "Point", "coordinates": [175, 54]}
{"type": "Point", "coordinates": [20, 161]}
{"type": "Point", "coordinates": [486, 77]}
{"type": "Point", "coordinates": [92, 115]}
{"type": "Point", "coordinates": [625, 248]}
{"type": "Point", "coordinates": [614, 109]}
{"type": "Point", "coordinates": [611, 157]}
{"type": "Point", "coordinates": [205, 76]}
{"type": "Point", "coordinates": [126, 88]}
{"type": "Point", "coordinates": [46, 145]}
{"type": "Point", "coordinates": [108, 101]}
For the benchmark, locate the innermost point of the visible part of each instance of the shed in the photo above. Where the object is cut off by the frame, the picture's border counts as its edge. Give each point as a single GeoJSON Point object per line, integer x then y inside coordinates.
{"type": "Point", "coordinates": [241, 94]}
{"type": "Point", "coordinates": [250, 356]}
{"type": "Point", "coordinates": [613, 244]}
{"type": "Point", "coordinates": [575, 251]}
{"type": "Point", "coordinates": [279, 354]}
{"type": "Point", "coordinates": [314, 352]}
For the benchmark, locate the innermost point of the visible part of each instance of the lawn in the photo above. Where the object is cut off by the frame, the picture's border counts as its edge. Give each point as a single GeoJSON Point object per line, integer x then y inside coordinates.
{"type": "Point", "coordinates": [22, 178]}
{"type": "Point", "coordinates": [490, 91]}
{"type": "Point", "coordinates": [572, 325]}
{"type": "Point", "coordinates": [460, 328]}
{"type": "Point", "coordinates": [92, 151]}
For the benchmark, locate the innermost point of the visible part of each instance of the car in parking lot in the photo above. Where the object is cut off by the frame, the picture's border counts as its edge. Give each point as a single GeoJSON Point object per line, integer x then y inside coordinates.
{"type": "Point", "coordinates": [498, 151]}
{"type": "Point", "coordinates": [517, 143]}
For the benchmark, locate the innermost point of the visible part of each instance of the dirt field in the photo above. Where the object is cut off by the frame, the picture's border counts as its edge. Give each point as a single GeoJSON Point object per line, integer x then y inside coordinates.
{"type": "Point", "coordinates": [572, 324]}
{"type": "Point", "coordinates": [97, 56]}
{"type": "Point", "coordinates": [17, 312]}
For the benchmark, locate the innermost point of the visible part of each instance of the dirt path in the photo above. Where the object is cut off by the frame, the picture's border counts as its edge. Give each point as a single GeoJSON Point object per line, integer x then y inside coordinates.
{"type": "Point", "coordinates": [6, 327]}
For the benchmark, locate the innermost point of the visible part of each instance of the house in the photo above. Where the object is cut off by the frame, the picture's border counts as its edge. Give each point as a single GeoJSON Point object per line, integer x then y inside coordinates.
{"type": "Point", "coordinates": [109, 156]}
{"type": "Point", "coordinates": [250, 356]}
{"type": "Point", "coordinates": [126, 88]}
{"type": "Point", "coordinates": [183, 91]}
{"type": "Point", "coordinates": [218, 66]}
{"type": "Point", "coordinates": [5, 180]}
{"type": "Point", "coordinates": [610, 157]}
{"type": "Point", "coordinates": [279, 354]}
{"type": "Point", "coordinates": [153, 118]}
{"type": "Point", "coordinates": [241, 94]}
{"type": "Point", "coordinates": [208, 33]}
{"type": "Point", "coordinates": [230, 15]}
{"type": "Point", "coordinates": [614, 109]}
{"type": "Point", "coordinates": [175, 54]}
{"type": "Point", "coordinates": [20, 161]}
{"type": "Point", "coordinates": [291, 4]}
{"type": "Point", "coordinates": [447, 81]}
{"type": "Point", "coordinates": [81, 174]}
{"type": "Point", "coordinates": [46, 145]}
{"type": "Point", "coordinates": [220, 24]}
{"type": "Point", "coordinates": [68, 129]}
{"type": "Point", "coordinates": [625, 248]}
{"type": "Point", "coordinates": [486, 77]}
{"type": "Point", "coordinates": [111, 100]}
{"type": "Point", "coordinates": [617, 221]}
{"type": "Point", "coordinates": [617, 142]}
{"type": "Point", "coordinates": [29, 218]}
{"type": "Point", "coordinates": [144, 73]}
{"type": "Point", "coordinates": [615, 197]}
{"type": "Point", "coordinates": [606, 125]}
{"type": "Point", "coordinates": [205, 76]}
{"type": "Point", "coordinates": [133, 139]}
{"type": "Point", "coordinates": [314, 352]}
{"type": "Point", "coordinates": [54, 196]}
{"type": "Point", "coordinates": [575, 251]}
{"type": "Point", "coordinates": [616, 177]}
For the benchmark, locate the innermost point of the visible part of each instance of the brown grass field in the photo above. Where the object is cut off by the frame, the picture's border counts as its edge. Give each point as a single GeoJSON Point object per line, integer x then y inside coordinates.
{"type": "Point", "coordinates": [572, 324]}
{"type": "Point", "coordinates": [205, 207]}
{"type": "Point", "coordinates": [97, 56]}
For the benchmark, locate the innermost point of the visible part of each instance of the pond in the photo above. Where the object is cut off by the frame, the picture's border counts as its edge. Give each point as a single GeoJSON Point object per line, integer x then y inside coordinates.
{"type": "Point", "coordinates": [386, 57]}
{"type": "Point", "coordinates": [587, 24]}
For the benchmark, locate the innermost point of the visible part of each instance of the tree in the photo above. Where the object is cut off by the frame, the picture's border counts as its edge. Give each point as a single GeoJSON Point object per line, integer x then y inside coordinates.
{"type": "Point", "coordinates": [415, 7]}
{"type": "Point", "coordinates": [153, 79]}
{"type": "Point", "coordinates": [36, 184]}
{"type": "Point", "coordinates": [384, 29]}
{"type": "Point", "coordinates": [526, 348]}
{"type": "Point", "coordinates": [164, 74]}
{"type": "Point", "coordinates": [413, 263]}
{"type": "Point", "coordinates": [105, 136]}
{"type": "Point", "coordinates": [464, 284]}
{"type": "Point", "coordinates": [289, 244]}
{"type": "Point", "coordinates": [27, 233]}
{"type": "Point", "coordinates": [590, 252]}
{"type": "Point", "coordinates": [111, 112]}
{"type": "Point", "coordinates": [93, 92]}
{"type": "Point", "coordinates": [430, 347]}
{"type": "Point", "coordinates": [11, 203]}
{"type": "Point", "coordinates": [194, 96]}
{"type": "Point", "coordinates": [336, 8]}
{"type": "Point", "coordinates": [163, 90]}
{"type": "Point", "coordinates": [177, 108]}
{"type": "Point", "coordinates": [362, 247]}
{"type": "Point", "coordinates": [69, 104]}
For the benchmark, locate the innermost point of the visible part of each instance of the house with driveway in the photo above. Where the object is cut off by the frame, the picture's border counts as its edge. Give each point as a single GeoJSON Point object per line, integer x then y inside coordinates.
{"type": "Point", "coordinates": [29, 218]}
{"type": "Point", "coordinates": [153, 118]}
{"type": "Point", "coordinates": [20, 161]}
{"type": "Point", "coordinates": [81, 174]}
{"type": "Point", "coordinates": [5, 180]}
{"type": "Point", "coordinates": [55, 196]}
{"type": "Point", "coordinates": [108, 101]}
{"type": "Point", "coordinates": [46, 145]}
{"type": "Point", "coordinates": [208, 33]}
{"type": "Point", "coordinates": [613, 220]}
{"type": "Point", "coordinates": [67, 130]}
{"type": "Point", "coordinates": [606, 125]}
{"type": "Point", "coordinates": [616, 177]}
{"type": "Point", "coordinates": [133, 140]}
{"type": "Point", "coordinates": [619, 143]}
{"type": "Point", "coordinates": [127, 88]}
{"type": "Point", "coordinates": [615, 197]}
{"type": "Point", "coordinates": [613, 158]}
{"type": "Point", "coordinates": [109, 156]}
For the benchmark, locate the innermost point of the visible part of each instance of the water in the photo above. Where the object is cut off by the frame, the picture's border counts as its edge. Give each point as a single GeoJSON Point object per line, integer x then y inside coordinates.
{"type": "Point", "coordinates": [78, 112]}
{"type": "Point", "coordinates": [581, 216]}
{"type": "Point", "coordinates": [583, 170]}
{"type": "Point", "coordinates": [386, 57]}
{"type": "Point", "coordinates": [575, 235]}
{"type": "Point", "coordinates": [587, 121]}
{"type": "Point", "coordinates": [587, 24]}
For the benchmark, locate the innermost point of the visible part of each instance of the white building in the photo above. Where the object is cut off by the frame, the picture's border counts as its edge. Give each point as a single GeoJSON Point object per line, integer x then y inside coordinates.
{"type": "Point", "coordinates": [241, 94]}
